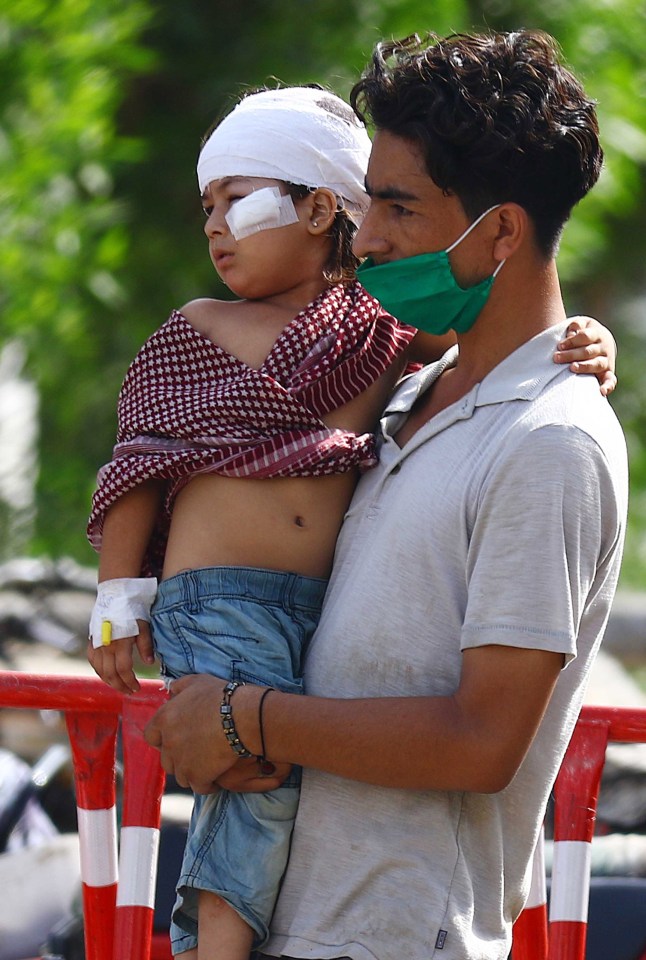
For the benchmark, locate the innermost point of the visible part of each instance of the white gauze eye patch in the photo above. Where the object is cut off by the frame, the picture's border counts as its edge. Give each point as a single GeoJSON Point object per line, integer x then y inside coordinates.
{"type": "Point", "coordinates": [263, 209]}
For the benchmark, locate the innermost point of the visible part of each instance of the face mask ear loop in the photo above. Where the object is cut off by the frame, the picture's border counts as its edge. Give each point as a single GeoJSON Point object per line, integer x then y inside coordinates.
{"type": "Point", "coordinates": [472, 227]}
{"type": "Point", "coordinates": [498, 268]}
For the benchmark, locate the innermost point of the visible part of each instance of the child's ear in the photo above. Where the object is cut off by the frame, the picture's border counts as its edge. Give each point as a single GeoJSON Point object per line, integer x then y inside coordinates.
{"type": "Point", "coordinates": [323, 210]}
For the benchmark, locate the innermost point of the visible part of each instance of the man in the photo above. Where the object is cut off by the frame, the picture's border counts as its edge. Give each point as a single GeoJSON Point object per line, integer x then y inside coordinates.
{"type": "Point", "coordinates": [477, 563]}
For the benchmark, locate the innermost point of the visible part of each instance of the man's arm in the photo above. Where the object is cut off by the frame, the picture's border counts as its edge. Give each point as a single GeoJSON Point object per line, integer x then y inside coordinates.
{"type": "Point", "coordinates": [474, 740]}
{"type": "Point", "coordinates": [127, 530]}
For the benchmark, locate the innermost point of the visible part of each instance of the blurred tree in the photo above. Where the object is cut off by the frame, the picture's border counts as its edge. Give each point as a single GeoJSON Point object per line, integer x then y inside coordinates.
{"type": "Point", "coordinates": [64, 238]}
{"type": "Point", "coordinates": [101, 113]}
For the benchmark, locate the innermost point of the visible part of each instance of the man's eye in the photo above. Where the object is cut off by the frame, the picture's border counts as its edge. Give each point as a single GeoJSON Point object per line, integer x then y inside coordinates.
{"type": "Point", "coordinates": [401, 211]}
{"type": "Point", "coordinates": [207, 211]}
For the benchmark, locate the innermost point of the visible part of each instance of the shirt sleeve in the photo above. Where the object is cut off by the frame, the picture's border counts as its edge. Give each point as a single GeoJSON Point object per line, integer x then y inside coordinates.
{"type": "Point", "coordinates": [546, 520]}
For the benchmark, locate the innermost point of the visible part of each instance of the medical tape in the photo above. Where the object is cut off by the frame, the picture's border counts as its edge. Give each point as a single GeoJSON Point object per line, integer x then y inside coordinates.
{"type": "Point", "coordinates": [264, 209]}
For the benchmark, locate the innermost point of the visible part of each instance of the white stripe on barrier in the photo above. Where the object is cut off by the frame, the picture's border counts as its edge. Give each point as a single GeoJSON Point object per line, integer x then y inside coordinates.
{"type": "Point", "coordinates": [98, 842]}
{"type": "Point", "coordinates": [538, 887]}
{"type": "Point", "coordinates": [570, 881]}
{"type": "Point", "coordinates": [138, 867]}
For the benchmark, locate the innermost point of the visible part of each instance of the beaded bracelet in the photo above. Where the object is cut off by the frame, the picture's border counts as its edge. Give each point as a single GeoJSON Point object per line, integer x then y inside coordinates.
{"type": "Point", "coordinates": [228, 725]}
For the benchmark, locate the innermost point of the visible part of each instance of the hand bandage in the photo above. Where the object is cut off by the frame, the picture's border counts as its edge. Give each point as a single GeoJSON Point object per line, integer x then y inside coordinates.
{"type": "Point", "coordinates": [263, 209]}
{"type": "Point", "coordinates": [119, 604]}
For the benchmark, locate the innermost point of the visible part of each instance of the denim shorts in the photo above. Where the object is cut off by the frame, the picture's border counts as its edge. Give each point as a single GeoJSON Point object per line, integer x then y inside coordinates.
{"type": "Point", "coordinates": [238, 623]}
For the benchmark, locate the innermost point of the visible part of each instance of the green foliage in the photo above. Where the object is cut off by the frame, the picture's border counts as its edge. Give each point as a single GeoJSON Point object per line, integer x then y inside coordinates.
{"type": "Point", "coordinates": [63, 69]}
{"type": "Point", "coordinates": [102, 107]}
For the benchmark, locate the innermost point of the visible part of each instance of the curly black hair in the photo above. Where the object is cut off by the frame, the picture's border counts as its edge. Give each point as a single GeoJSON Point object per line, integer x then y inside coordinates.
{"type": "Point", "coordinates": [497, 116]}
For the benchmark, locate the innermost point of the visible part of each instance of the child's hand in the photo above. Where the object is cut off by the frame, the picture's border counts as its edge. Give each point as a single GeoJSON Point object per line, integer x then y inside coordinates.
{"type": "Point", "coordinates": [114, 663]}
{"type": "Point", "coordinates": [589, 347]}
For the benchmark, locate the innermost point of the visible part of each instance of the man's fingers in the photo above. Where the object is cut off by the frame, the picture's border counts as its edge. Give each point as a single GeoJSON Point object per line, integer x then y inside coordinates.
{"type": "Point", "coordinates": [183, 682]}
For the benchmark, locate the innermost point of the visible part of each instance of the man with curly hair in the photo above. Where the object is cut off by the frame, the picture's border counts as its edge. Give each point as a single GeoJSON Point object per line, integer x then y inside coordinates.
{"type": "Point", "coordinates": [477, 563]}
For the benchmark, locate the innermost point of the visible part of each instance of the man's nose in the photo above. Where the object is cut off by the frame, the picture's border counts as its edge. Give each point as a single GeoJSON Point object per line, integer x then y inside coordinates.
{"type": "Point", "coordinates": [368, 240]}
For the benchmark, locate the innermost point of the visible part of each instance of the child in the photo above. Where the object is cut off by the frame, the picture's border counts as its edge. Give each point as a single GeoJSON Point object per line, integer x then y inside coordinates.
{"type": "Point", "coordinates": [242, 428]}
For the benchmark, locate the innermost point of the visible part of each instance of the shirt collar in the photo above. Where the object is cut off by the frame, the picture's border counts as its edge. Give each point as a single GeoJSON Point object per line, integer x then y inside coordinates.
{"type": "Point", "coordinates": [520, 376]}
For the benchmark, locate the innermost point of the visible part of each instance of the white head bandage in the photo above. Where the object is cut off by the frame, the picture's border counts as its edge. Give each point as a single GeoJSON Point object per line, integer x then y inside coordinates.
{"type": "Point", "coordinates": [296, 134]}
{"type": "Point", "coordinates": [260, 210]}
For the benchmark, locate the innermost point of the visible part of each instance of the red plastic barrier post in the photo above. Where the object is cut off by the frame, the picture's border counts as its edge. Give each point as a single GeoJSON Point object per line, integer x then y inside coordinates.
{"type": "Point", "coordinates": [530, 929]}
{"type": "Point", "coordinates": [143, 787]}
{"type": "Point", "coordinates": [93, 742]}
{"type": "Point", "coordinates": [116, 924]}
{"type": "Point", "coordinates": [576, 792]}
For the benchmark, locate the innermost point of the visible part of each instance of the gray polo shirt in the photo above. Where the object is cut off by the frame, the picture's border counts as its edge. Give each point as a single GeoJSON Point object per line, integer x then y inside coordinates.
{"type": "Point", "coordinates": [500, 522]}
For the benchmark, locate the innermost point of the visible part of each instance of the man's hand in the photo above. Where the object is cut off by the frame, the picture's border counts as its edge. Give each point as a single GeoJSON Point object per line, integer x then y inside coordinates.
{"type": "Point", "coordinates": [254, 776]}
{"type": "Point", "coordinates": [188, 733]}
{"type": "Point", "coordinates": [113, 663]}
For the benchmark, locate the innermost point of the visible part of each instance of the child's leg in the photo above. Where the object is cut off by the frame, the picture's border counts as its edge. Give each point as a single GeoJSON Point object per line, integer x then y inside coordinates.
{"type": "Point", "coordinates": [223, 934]}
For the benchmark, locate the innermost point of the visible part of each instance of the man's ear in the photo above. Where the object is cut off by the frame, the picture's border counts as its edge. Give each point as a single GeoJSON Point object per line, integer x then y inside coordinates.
{"type": "Point", "coordinates": [513, 230]}
{"type": "Point", "coordinates": [323, 210]}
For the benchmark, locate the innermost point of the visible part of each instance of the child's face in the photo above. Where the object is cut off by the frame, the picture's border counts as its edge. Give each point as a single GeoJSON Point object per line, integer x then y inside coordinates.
{"type": "Point", "coordinates": [260, 264]}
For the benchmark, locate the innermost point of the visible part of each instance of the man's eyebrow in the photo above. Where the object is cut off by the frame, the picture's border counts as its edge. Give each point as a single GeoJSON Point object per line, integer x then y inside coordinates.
{"type": "Point", "coordinates": [389, 193]}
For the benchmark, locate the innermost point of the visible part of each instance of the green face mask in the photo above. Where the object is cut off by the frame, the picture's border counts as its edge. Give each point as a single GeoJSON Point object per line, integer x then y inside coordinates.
{"type": "Point", "coordinates": [421, 291]}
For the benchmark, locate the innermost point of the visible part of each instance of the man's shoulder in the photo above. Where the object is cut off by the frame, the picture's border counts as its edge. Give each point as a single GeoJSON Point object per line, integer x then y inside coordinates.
{"type": "Point", "coordinates": [572, 426]}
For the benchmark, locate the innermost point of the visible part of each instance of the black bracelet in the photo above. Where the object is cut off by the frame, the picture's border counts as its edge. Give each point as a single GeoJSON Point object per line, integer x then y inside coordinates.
{"type": "Point", "coordinates": [228, 725]}
{"type": "Point", "coordinates": [262, 732]}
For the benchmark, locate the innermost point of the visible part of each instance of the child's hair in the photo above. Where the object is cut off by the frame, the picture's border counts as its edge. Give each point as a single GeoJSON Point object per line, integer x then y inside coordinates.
{"type": "Point", "coordinates": [308, 138]}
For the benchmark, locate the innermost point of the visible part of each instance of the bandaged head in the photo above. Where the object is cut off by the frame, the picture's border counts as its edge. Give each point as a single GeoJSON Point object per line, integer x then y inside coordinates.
{"type": "Point", "coordinates": [296, 134]}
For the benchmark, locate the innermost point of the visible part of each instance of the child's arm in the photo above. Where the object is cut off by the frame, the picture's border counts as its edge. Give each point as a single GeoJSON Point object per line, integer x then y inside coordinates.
{"type": "Point", "coordinates": [589, 347]}
{"type": "Point", "coordinates": [127, 530]}
{"type": "Point", "coordinates": [427, 347]}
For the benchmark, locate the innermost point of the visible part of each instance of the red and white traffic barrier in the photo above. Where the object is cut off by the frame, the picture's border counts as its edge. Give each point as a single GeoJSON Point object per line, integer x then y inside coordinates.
{"type": "Point", "coordinates": [93, 742]}
{"type": "Point", "coordinates": [530, 929]}
{"type": "Point", "coordinates": [576, 792]}
{"type": "Point", "coordinates": [118, 916]}
{"type": "Point", "coordinates": [143, 787]}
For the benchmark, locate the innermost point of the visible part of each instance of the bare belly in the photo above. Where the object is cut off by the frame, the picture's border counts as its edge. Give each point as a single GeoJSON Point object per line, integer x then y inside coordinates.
{"type": "Point", "coordinates": [281, 524]}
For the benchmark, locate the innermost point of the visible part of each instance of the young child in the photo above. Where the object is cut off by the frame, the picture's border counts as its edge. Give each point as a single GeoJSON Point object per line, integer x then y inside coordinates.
{"type": "Point", "coordinates": [242, 429]}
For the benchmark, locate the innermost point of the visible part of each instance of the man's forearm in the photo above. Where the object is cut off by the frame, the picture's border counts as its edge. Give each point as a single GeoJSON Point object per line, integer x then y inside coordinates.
{"type": "Point", "coordinates": [474, 740]}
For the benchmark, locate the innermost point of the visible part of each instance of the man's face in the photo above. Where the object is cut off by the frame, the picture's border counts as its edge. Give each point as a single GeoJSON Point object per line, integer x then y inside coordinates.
{"type": "Point", "coordinates": [409, 214]}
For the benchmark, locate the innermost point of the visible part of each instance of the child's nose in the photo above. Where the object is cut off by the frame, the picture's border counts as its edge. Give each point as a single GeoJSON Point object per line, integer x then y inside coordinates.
{"type": "Point", "coordinates": [215, 224]}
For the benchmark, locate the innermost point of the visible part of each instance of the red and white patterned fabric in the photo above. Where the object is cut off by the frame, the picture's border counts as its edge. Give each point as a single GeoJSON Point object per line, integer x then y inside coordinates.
{"type": "Point", "coordinates": [187, 406]}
